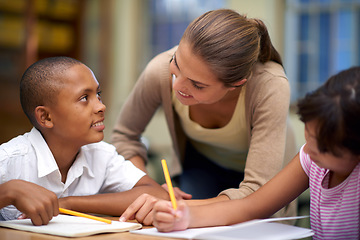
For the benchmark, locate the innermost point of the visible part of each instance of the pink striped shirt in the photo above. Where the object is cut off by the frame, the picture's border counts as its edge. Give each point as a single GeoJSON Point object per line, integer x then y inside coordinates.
{"type": "Point", "coordinates": [334, 212]}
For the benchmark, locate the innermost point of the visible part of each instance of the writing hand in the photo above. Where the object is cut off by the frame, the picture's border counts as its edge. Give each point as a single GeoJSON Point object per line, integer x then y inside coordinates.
{"type": "Point", "coordinates": [166, 219]}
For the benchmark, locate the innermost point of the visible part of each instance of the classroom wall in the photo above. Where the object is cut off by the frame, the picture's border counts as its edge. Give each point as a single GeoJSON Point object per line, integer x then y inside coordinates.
{"type": "Point", "coordinates": [128, 34]}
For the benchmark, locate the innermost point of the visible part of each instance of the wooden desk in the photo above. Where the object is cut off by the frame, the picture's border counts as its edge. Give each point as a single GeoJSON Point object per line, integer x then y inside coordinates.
{"type": "Point", "coordinates": [11, 234]}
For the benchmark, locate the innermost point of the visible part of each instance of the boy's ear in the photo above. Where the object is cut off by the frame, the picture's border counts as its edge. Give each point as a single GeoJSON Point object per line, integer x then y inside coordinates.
{"type": "Point", "coordinates": [43, 117]}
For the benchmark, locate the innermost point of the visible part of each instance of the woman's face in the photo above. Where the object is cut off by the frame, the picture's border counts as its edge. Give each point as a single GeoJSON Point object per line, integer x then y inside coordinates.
{"type": "Point", "coordinates": [193, 80]}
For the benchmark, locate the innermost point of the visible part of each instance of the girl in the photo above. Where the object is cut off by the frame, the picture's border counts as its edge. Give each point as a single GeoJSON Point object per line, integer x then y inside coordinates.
{"type": "Point", "coordinates": [328, 163]}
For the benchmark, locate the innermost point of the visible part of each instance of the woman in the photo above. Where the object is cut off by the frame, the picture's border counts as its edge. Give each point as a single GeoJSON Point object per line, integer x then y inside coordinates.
{"type": "Point", "coordinates": [226, 98]}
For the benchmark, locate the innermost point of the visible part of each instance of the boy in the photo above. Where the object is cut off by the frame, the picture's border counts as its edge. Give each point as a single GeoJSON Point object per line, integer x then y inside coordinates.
{"type": "Point", "coordinates": [63, 156]}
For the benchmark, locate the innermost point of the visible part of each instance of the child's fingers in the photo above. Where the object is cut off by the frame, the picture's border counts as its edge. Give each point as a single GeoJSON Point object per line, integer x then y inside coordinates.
{"type": "Point", "coordinates": [164, 216]}
{"type": "Point", "coordinates": [145, 213]}
{"type": "Point", "coordinates": [22, 216]}
{"type": "Point", "coordinates": [164, 206]}
{"type": "Point", "coordinates": [130, 212]}
{"type": "Point", "coordinates": [164, 222]}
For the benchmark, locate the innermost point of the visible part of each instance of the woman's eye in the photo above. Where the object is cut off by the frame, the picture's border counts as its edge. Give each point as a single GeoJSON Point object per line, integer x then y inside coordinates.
{"type": "Point", "coordinates": [196, 86]}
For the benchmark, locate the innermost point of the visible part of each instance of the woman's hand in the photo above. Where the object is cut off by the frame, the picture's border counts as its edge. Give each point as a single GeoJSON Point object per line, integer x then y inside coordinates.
{"type": "Point", "coordinates": [179, 194]}
{"type": "Point", "coordinates": [166, 219]}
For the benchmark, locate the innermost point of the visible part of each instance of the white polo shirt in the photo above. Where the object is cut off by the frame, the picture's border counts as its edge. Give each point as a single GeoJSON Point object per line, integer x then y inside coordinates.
{"type": "Point", "coordinates": [98, 168]}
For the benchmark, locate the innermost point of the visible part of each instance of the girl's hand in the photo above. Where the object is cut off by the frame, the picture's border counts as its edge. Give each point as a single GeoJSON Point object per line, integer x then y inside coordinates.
{"type": "Point", "coordinates": [166, 219]}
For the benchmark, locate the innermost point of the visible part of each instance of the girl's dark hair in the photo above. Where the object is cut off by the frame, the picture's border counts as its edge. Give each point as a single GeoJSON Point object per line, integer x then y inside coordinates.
{"type": "Point", "coordinates": [230, 43]}
{"type": "Point", "coordinates": [336, 108]}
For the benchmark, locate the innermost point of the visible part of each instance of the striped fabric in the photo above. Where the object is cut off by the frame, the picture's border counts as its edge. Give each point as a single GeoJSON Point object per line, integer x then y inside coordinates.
{"type": "Point", "coordinates": [334, 212]}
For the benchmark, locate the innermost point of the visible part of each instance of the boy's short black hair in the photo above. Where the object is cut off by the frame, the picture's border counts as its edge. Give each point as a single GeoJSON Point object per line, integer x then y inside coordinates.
{"type": "Point", "coordinates": [336, 108]}
{"type": "Point", "coordinates": [41, 82]}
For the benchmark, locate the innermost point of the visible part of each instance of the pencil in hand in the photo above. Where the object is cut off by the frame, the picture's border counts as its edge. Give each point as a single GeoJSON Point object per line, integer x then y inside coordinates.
{"type": "Point", "coordinates": [169, 184]}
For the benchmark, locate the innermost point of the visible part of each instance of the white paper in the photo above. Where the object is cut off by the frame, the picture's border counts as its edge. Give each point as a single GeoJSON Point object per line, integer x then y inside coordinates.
{"type": "Point", "coordinates": [187, 234]}
{"type": "Point", "coordinates": [71, 226]}
{"type": "Point", "coordinates": [264, 229]}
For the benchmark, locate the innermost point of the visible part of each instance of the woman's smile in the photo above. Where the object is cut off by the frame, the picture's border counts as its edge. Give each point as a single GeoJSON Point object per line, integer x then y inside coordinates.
{"type": "Point", "coordinates": [183, 94]}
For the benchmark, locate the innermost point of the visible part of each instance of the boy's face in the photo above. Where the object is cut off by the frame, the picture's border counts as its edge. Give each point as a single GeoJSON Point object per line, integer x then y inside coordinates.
{"type": "Point", "coordinates": [341, 165]}
{"type": "Point", "coordinates": [78, 114]}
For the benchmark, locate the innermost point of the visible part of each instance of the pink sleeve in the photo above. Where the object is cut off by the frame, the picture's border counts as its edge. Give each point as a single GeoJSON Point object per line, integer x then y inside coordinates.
{"type": "Point", "coordinates": [305, 160]}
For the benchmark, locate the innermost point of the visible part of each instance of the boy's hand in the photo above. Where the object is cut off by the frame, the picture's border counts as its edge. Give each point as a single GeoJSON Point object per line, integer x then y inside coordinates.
{"type": "Point", "coordinates": [166, 219]}
{"type": "Point", "coordinates": [34, 201]}
{"type": "Point", "coordinates": [141, 210]}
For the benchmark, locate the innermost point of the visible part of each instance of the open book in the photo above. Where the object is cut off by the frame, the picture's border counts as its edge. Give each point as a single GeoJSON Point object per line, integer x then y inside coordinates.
{"type": "Point", "coordinates": [70, 226]}
{"type": "Point", "coordinates": [264, 229]}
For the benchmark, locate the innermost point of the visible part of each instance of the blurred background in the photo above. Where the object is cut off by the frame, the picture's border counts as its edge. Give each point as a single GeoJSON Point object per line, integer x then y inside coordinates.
{"type": "Point", "coordinates": [116, 38]}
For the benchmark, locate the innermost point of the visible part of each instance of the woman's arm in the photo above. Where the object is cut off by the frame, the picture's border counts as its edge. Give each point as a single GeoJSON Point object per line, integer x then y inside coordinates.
{"type": "Point", "coordinates": [267, 107]}
{"type": "Point", "coordinates": [139, 108]}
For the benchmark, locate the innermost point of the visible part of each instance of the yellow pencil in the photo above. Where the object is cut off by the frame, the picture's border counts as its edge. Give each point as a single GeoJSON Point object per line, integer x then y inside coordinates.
{"type": "Point", "coordinates": [78, 214]}
{"type": "Point", "coordinates": [169, 184]}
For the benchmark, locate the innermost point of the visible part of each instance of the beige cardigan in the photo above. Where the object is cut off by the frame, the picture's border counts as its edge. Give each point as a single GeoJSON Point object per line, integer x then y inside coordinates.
{"type": "Point", "coordinates": [271, 140]}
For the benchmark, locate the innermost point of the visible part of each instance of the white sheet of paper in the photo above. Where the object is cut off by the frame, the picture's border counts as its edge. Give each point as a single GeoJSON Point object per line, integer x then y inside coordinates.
{"type": "Point", "coordinates": [71, 226]}
{"type": "Point", "coordinates": [264, 229]}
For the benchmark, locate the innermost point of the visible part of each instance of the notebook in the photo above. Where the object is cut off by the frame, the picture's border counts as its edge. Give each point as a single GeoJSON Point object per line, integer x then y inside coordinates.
{"type": "Point", "coordinates": [264, 229]}
{"type": "Point", "coordinates": [71, 226]}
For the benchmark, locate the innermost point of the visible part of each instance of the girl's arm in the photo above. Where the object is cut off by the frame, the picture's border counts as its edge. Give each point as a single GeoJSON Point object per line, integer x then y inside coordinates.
{"type": "Point", "coordinates": [279, 191]}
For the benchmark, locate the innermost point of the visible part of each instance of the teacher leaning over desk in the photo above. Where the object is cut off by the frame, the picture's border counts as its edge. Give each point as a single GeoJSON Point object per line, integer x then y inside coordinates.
{"type": "Point", "coordinates": [226, 100]}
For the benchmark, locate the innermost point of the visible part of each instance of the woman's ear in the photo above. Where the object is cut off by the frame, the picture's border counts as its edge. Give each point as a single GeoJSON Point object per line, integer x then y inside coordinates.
{"type": "Point", "coordinates": [239, 83]}
{"type": "Point", "coordinates": [43, 117]}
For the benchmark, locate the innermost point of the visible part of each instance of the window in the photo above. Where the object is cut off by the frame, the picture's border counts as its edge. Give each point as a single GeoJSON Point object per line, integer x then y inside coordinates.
{"type": "Point", "coordinates": [171, 17]}
{"type": "Point", "coordinates": [322, 38]}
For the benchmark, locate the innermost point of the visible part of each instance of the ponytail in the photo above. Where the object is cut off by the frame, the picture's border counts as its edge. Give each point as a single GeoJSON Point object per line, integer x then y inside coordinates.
{"type": "Point", "coordinates": [267, 50]}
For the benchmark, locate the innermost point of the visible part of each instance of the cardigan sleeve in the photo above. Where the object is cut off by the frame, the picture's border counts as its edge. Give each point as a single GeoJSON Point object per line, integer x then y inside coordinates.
{"type": "Point", "coordinates": [139, 108]}
{"type": "Point", "coordinates": [267, 112]}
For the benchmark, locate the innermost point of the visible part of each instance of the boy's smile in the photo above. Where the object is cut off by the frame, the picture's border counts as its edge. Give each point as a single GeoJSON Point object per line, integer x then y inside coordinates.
{"type": "Point", "coordinates": [78, 114]}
